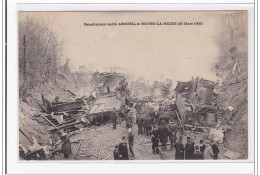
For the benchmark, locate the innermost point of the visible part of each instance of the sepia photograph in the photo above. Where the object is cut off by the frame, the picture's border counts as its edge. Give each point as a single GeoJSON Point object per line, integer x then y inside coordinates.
{"type": "Point", "coordinates": [133, 85]}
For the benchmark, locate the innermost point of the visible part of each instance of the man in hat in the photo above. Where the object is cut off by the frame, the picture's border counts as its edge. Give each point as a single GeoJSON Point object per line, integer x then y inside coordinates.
{"type": "Point", "coordinates": [208, 153]}
{"type": "Point", "coordinates": [122, 149]}
{"type": "Point", "coordinates": [116, 153]}
{"type": "Point", "coordinates": [139, 123]}
{"type": "Point", "coordinates": [202, 146]}
{"type": "Point", "coordinates": [159, 112]}
{"type": "Point", "coordinates": [197, 155]}
{"type": "Point", "coordinates": [129, 119]}
{"type": "Point", "coordinates": [164, 116]}
{"type": "Point", "coordinates": [143, 117]}
{"type": "Point", "coordinates": [131, 141]}
{"type": "Point", "coordinates": [189, 148]}
{"type": "Point", "coordinates": [155, 140]}
{"type": "Point", "coordinates": [163, 132]}
{"type": "Point", "coordinates": [179, 147]}
{"type": "Point", "coordinates": [148, 125]}
{"type": "Point", "coordinates": [215, 149]}
{"type": "Point", "coordinates": [172, 130]}
{"type": "Point", "coordinates": [66, 145]}
{"type": "Point", "coordinates": [151, 114]}
{"type": "Point", "coordinates": [114, 117]}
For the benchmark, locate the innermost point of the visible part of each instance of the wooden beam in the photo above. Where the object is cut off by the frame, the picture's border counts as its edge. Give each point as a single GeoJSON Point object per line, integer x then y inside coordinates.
{"type": "Point", "coordinates": [60, 127]}
{"type": "Point", "coordinates": [68, 121]}
{"type": "Point", "coordinates": [179, 120]}
{"type": "Point", "coordinates": [50, 122]}
{"type": "Point", "coordinates": [25, 135]}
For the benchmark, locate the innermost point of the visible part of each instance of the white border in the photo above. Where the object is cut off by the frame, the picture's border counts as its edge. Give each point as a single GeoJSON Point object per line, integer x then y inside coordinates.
{"type": "Point", "coordinates": [142, 167]}
{"type": "Point", "coordinates": [142, 1]}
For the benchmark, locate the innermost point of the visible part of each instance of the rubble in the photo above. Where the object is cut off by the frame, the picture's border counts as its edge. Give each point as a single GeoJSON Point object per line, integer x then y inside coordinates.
{"type": "Point", "coordinates": [194, 104]}
{"type": "Point", "coordinates": [232, 155]}
{"type": "Point", "coordinates": [61, 106]}
{"type": "Point", "coordinates": [218, 134]}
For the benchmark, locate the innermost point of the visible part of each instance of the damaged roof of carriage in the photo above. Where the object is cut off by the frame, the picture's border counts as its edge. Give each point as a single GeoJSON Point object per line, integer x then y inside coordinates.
{"type": "Point", "coordinates": [105, 104]}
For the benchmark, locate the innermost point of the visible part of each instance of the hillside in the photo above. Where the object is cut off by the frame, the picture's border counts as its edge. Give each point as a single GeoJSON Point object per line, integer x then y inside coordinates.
{"type": "Point", "coordinates": [232, 68]}
{"type": "Point", "coordinates": [30, 108]}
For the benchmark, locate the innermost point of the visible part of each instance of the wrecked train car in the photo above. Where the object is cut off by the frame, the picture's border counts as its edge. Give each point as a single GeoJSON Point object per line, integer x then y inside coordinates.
{"type": "Point", "coordinates": [193, 101]}
{"type": "Point", "coordinates": [102, 108]}
{"type": "Point", "coordinates": [61, 106]}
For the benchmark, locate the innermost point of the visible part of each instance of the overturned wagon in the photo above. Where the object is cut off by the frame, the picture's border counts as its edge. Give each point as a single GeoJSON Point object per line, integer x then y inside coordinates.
{"type": "Point", "coordinates": [102, 109]}
{"type": "Point", "coordinates": [61, 106]}
{"type": "Point", "coordinates": [193, 101]}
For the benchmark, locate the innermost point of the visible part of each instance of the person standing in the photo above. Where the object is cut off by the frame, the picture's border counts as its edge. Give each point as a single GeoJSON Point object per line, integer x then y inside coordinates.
{"type": "Point", "coordinates": [114, 117]}
{"type": "Point", "coordinates": [202, 147]}
{"type": "Point", "coordinates": [139, 124]}
{"type": "Point", "coordinates": [66, 145]}
{"type": "Point", "coordinates": [131, 141]}
{"type": "Point", "coordinates": [179, 147]}
{"type": "Point", "coordinates": [172, 129]}
{"type": "Point", "coordinates": [208, 153]}
{"type": "Point", "coordinates": [129, 120]}
{"type": "Point", "coordinates": [116, 153]}
{"type": "Point", "coordinates": [155, 140]}
{"type": "Point", "coordinates": [151, 114]}
{"type": "Point", "coordinates": [163, 132]}
{"type": "Point", "coordinates": [143, 124]}
{"type": "Point", "coordinates": [197, 155]}
{"type": "Point", "coordinates": [189, 148]}
{"type": "Point", "coordinates": [215, 150]}
{"type": "Point", "coordinates": [122, 149]}
{"type": "Point", "coordinates": [148, 125]}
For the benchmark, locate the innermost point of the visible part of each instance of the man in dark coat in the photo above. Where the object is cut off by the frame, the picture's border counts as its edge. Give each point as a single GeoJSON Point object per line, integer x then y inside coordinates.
{"type": "Point", "coordinates": [159, 112]}
{"type": "Point", "coordinates": [148, 125]}
{"type": "Point", "coordinates": [172, 129]}
{"type": "Point", "coordinates": [114, 117]}
{"type": "Point", "coordinates": [66, 145]}
{"type": "Point", "coordinates": [139, 124]}
{"type": "Point", "coordinates": [163, 132]}
{"type": "Point", "coordinates": [164, 116]}
{"type": "Point", "coordinates": [116, 153]}
{"type": "Point", "coordinates": [202, 146]}
{"type": "Point", "coordinates": [179, 147]}
{"type": "Point", "coordinates": [122, 149]}
{"type": "Point", "coordinates": [143, 123]}
{"type": "Point", "coordinates": [215, 150]}
{"type": "Point", "coordinates": [197, 155]}
{"type": "Point", "coordinates": [155, 140]}
{"type": "Point", "coordinates": [151, 114]}
{"type": "Point", "coordinates": [189, 149]}
{"type": "Point", "coordinates": [138, 108]}
{"type": "Point", "coordinates": [129, 119]}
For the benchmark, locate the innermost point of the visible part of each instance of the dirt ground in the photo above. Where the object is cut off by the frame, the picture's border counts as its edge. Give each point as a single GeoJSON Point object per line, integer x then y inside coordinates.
{"type": "Point", "coordinates": [99, 141]}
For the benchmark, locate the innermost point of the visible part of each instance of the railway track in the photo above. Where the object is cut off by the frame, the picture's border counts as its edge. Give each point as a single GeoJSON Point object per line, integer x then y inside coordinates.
{"type": "Point", "coordinates": [104, 144]}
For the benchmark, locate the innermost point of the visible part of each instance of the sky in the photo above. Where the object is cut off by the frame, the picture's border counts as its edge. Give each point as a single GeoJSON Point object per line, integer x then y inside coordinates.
{"type": "Point", "coordinates": [154, 52]}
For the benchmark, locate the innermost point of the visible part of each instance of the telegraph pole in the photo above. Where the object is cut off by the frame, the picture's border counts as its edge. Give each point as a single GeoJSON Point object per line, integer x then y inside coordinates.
{"type": "Point", "coordinates": [24, 62]}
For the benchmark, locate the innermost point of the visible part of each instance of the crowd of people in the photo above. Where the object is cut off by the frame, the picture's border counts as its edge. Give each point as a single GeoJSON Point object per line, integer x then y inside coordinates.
{"type": "Point", "coordinates": [162, 128]}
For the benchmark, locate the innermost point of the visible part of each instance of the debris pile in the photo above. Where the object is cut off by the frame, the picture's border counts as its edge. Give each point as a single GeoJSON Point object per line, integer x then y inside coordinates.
{"type": "Point", "coordinates": [68, 115]}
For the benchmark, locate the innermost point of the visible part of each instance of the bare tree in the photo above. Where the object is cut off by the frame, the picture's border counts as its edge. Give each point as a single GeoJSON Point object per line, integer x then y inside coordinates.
{"type": "Point", "coordinates": [39, 54]}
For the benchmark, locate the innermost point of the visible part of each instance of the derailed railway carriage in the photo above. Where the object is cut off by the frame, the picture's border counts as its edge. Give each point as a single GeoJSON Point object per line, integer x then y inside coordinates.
{"type": "Point", "coordinates": [194, 103]}
{"type": "Point", "coordinates": [102, 108]}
